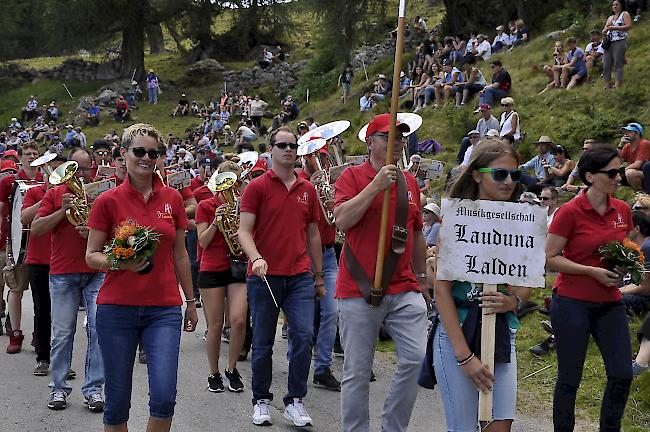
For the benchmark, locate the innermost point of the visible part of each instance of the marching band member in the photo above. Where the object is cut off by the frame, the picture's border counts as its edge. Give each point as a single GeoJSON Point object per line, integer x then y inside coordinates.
{"type": "Point", "coordinates": [207, 168]}
{"type": "Point", "coordinates": [216, 281]}
{"type": "Point", "coordinates": [71, 280]}
{"type": "Point", "coordinates": [131, 306]}
{"type": "Point", "coordinates": [120, 167]}
{"type": "Point", "coordinates": [326, 332]}
{"type": "Point", "coordinates": [279, 233]}
{"type": "Point", "coordinates": [102, 160]}
{"type": "Point", "coordinates": [357, 208]}
{"type": "Point", "coordinates": [38, 270]}
{"type": "Point", "coordinates": [28, 152]}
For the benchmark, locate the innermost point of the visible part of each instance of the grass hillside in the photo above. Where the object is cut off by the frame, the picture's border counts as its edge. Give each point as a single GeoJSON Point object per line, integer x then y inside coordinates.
{"type": "Point", "coordinates": [568, 117]}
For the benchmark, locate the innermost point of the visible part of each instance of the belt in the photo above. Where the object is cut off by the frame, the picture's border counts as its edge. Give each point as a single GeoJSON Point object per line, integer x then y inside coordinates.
{"type": "Point", "coordinates": [328, 245]}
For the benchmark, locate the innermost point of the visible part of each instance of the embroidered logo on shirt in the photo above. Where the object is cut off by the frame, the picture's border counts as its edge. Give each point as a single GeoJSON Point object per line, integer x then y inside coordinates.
{"type": "Point", "coordinates": [166, 213]}
{"type": "Point", "coordinates": [619, 223]}
{"type": "Point", "coordinates": [304, 199]}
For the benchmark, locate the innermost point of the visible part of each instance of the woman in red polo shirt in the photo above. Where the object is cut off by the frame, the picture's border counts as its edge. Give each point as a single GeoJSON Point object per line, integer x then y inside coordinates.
{"type": "Point", "coordinates": [586, 299]}
{"type": "Point", "coordinates": [132, 307]}
{"type": "Point", "coordinates": [216, 281]}
{"type": "Point", "coordinates": [492, 174]}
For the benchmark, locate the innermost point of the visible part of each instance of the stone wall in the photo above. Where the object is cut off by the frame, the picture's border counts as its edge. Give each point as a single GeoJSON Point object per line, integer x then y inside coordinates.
{"type": "Point", "coordinates": [69, 70]}
{"type": "Point", "coordinates": [281, 77]}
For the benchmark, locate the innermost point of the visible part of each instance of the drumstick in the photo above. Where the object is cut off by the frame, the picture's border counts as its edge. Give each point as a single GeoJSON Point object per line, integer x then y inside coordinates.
{"type": "Point", "coordinates": [270, 290]}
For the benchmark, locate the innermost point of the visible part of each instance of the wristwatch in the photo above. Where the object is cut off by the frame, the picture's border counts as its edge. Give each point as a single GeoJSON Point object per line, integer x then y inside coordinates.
{"type": "Point", "coordinates": [421, 275]}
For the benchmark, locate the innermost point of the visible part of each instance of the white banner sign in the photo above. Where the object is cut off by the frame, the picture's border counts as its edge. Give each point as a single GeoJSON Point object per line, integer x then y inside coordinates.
{"type": "Point", "coordinates": [94, 189]}
{"type": "Point", "coordinates": [492, 242]}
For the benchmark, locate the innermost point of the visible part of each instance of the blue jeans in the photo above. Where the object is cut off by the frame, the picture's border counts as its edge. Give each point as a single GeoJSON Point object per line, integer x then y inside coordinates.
{"type": "Point", "coordinates": [66, 292]}
{"type": "Point", "coordinates": [120, 329]}
{"type": "Point", "coordinates": [153, 94]}
{"type": "Point", "coordinates": [296, 296]}
{"type": "Point", "coordinates": [191, 240]}
{"type": "Point", "coordinates": [490, 94]}
{"type": "Point", "coordinates": [573, 322]}
{"type": "Point", "coordinates": [459, 394]}
{"type": "Point", "coordinates": [329, 313]}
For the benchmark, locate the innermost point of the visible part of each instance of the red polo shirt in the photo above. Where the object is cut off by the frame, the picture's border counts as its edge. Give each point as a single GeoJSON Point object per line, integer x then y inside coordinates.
{"type": "Point", "coordinates": [586, 231]}
{"type": "Point", "coordinates": [38, 247]}
{"type": "Point", "coordinates": [642, 152]}
{"type": "Point", "coordinates": [118, 181]}
{"type": "Point", "coordinates": [217, 255]}
{"type": "Point", "coordinates": [281, 220]}
{"type": "Point", "coordinates": [362, 237]}
{"type": "Point", "coordinates": [186, 193]}
{"type": "Point", "coordinates": [6, 186]}
{"type": "Point", "coordinates": [165, 213]}
{"type": "Point", "coordinates": [202, 193]}
{"type": "Point", "coordinates": [327, 231]}
{"type": "Point", "coordinates": [68, 248]}
{"type": "Point", "coordinates": [195, 183]}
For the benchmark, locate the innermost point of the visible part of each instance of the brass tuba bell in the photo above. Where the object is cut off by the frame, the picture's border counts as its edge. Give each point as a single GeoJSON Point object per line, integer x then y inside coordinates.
{"type": "Point", "coordinates": [227, 214]}
{"type": "Point", "coordinates": [79, 209]}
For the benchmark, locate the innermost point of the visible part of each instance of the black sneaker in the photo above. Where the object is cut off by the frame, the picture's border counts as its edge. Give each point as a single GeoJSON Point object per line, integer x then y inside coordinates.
{"type": "Point", "coordinates": [338, 350]}
{"type": "Point", "coordinates": [546, 325]}
{"type": "Point", "coordinates": [373, 378]}
{"type": "Point", "coordinates": [225, 334]}
{"type": "Point", "coordinates": [234, 381]}
{"type": "Point", "coordinates": [198, 302]}
{"type": "Point", "coordinates": [72, 374]}
{"type": "Point", "coordinates": [327, 381]}
{"type": "Point", "coordinates": [57, 400]}
{"type": "Point", "coordinates": [142, 357]}
{"type": "Point", "coordinates": [544, 347]}
{"type": "Point", "coordinates": [215, 383]}
{"type": "Point", "coordinates": [95, 402]}
{"type": "Point", "coordinates": [285, 331]}
{"type": "Point", "coordinates": [42, 368]}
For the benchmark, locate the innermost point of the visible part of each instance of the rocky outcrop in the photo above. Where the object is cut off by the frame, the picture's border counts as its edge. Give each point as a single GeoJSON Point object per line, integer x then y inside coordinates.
{"type": "Point", "coordinates": [281, 77]}
{"type": "Point", "coordinates": [69, 70]}
{"type": "Point", "coordinates": [203, 68]}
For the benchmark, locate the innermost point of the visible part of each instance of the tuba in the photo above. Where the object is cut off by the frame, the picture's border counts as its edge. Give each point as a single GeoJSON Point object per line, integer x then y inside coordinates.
{"type": "Point", "coordinates": [227, 214]}
{"type": "Point", "coordinates": [323, 187]}
{"type": "Point", "coordinates": [79, 209]}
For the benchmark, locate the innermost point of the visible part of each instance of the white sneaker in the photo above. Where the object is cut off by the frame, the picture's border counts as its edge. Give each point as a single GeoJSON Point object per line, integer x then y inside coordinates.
{"type": "Point", "coordinates": [261, 414]}
{"type": "Point", "coordinates": [297, 414]}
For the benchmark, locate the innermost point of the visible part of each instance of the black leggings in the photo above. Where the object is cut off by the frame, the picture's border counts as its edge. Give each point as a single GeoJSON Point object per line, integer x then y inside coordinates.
{"type": "Point", "coordinates": [38, 276]}
{"type": "Point", "coordinates": [573, 321]}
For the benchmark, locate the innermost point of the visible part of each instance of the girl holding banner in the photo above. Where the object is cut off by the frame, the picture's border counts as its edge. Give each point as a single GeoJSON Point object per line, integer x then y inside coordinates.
{"type": "Point", "coordinates": [491, 174]}
{"type": "Point", "coordinates": [586, 296]}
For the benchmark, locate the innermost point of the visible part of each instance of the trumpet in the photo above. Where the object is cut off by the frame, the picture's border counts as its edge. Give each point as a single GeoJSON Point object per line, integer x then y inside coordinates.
{"type": "Point", "coordinates": [227, 214]}
{"type": "Point", "coordinates": [79, 209]}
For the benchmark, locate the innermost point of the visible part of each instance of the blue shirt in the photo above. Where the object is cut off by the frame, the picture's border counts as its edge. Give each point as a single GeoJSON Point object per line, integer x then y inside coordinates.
{"type": "Point", "coordinates": [580, 64]}
{"type": "Point", "coordinates": [536, 163]}
{"type": "Point", "coordinates": [431, 234]}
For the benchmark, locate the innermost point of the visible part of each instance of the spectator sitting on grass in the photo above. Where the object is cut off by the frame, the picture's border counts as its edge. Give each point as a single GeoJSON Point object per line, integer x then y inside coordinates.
{"type": "Point", "coordinates": [560, 171]}
{"type": "Point", "coordinates": [404, 83]}
{"type": "Point", "coordinates": [554, 71]}
{"type": "Point", "coordinates": [500, 86]}
{"type": "Point", "coordinates": [279, 55]}
{"type": "Point", "coordinates": [182, 107]}
{"type": "Point", "coordinates": [366, 102]}
{"type": "Point", "coordinates": [81, 137]}
{"type": "Point", "coordinates": [487, 120]}
{"type": "Point", "coordinates": [637, 297]}
{"type": "Point", "coordinates": [194, 108]}
{"type": "Point", "coordinates": [483, 48]}
{"type": "Point", "coordinates": [14, 124]}
{"type": "Point", "coordinates": [459, 48]}
{"type": "Point", "coordinates": [576, 70]}
{"type": "Point", "coordinates": [30, 111]}
{"type": "Point", "coordinates": [509, 124]}
{"type": "Point", "coordinates": [71, 138]}
{"type": "Point", "coordinates": [245, 135]}
{"type": "Point", "coordinates": [39, 129]}
{"type": "Point", "coordinates": [501, 40]}
{"type": "Point", "coordinates": [420, 25]}
{"type": "Point", "coordinates": [635, 150]}
{"type": "Point", "coordinates": [310, 122]}
{"type": "Point", "coordinates": [224, 114]}
{"type": "Point", "coordinates": [522, 35]}
{"type": "Point", "coordinates": [418, 80]}
{"type": "Point", "coordinates": [382, 87]}
{"type": "Point", "coordinates": [92, 114]}
{"type": "Point", "coordinates": [594, 51]}
{"type": "Point", "coordinates": [267, 59]}
{"type": "Point", "coordinates": [448, 86]}
{"type": "Point", "coordinates": [473, 83]}
{"type": "Point", "coordinates": [52, 112]}
{"type": "Point", "coordinates": [121, 110]}
{"type": "Point", "coordinates": [539, 162]}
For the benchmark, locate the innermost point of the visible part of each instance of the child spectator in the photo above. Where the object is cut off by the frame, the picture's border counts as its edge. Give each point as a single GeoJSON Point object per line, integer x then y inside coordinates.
{"type": "Point", "coordinates": [576, 68]}
{"type": "Point", "coordinates": [554, 71]}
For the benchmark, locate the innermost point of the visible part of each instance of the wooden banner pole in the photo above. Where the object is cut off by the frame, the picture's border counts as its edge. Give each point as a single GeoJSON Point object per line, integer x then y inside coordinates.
{"type": "Point", "coordinates": [488, 326]}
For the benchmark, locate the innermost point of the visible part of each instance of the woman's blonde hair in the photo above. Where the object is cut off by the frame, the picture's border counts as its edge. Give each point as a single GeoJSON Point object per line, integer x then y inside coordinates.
{"type": "Point", "coordinates": [643, 199]}
{"type": "Point", "coordinates": [487, 151]}
{"type": "Point", "coordinates": [139, 130]}
{"type": "Point", "coordinates": [229, 166]}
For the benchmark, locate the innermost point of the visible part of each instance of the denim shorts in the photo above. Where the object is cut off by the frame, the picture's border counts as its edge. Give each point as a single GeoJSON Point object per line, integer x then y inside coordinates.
{"type": "Point", "coordinates": [460, 396]}
{"type": "Point", "coordinates": [120, 329]}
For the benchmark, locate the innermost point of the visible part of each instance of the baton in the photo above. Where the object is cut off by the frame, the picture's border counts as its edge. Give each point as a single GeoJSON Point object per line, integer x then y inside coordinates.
{"type": "Point", "coordinates": [270, 290]}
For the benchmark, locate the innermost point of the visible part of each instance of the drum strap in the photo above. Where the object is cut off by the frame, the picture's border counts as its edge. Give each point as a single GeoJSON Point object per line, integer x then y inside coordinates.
{"type": "Point", "coordinates": [398, 245]}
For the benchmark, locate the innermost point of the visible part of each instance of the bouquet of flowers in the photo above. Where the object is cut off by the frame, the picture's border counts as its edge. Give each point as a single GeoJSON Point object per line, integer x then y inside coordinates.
{"type": "Point", "coordinates": [132, 242]}
{"type": "Point", "coordinates": [626, 255]}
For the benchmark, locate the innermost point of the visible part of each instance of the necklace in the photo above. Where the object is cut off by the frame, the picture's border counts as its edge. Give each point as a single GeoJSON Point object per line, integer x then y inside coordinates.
{"type": "Point", "coordinates": [147, 195]}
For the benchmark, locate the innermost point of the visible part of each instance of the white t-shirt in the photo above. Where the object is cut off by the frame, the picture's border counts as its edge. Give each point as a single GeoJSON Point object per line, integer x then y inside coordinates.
{"type": "Point", "coordinates": [268, 56]}
{"type": "Point", "coordinates": [246, 132]}
{"type": "Point", "coordinates": [503, 38]}
{"type": "Point", "coordinates": [484, 50]}
{"type": "Point", "coordinates": [590, 48]}
{"type": "Point", "coordinates": [468, 155]}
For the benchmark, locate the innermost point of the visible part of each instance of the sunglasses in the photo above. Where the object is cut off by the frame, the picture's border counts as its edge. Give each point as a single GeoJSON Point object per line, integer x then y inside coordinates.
{"type": "Point", "coordinates": [101, 153]}
{"type": "Point", "coordinates": [399, 136]}
{"type": "Point", "coordinates": [545, 198]}
{"type": "Point", "coordinates": [612, 173]}
{"type": "Point", "coordinates": [139, 152]}
{"type": "Point", "coordinates": [501, 174]}
{"type": "Point", "coordinates": [284, 145]}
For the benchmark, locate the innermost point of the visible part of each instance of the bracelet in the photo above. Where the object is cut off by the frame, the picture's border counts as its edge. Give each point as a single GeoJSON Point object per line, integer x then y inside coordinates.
{"type": "Point", "coordinates": [319, 285]}
{"type": "Point", "coordinates": [319, 273]}
{"type": "Point", "coordinates": [467, 360]}
{"type": "Point", "coordinates": [191, 301]}
{"type": "Point", "coordinates": [258, 258]}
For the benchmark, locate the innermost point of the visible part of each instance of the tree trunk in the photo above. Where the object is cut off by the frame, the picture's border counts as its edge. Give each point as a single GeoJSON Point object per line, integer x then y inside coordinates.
{"type": "Point", "coordinates": [171, 28]}
{"type": "Point", "coordinates": [132, 49]}
{"type": "Point", "coordinates": [155, 38]}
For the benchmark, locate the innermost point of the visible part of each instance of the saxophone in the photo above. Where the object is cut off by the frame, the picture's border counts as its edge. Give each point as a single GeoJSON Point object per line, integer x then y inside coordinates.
{"type": "Point", "coordinates": [227, 214]}
{"type": "Point", "coordinates": [79, 209]}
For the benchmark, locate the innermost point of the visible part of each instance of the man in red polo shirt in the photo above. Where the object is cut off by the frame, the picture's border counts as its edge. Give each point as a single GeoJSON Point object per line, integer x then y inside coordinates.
{"type": "Point", "coordinates": [38, 269]}
{"type": "Point", "coordinates": [120, 167]}
{"type": "Point", "coordinates": [278, 232]}
{"type": "Point", "coordinates": [357, 207]}
{"type": "Point", "coordinates": [71, 280]}
{"type": "Point", "coordinates": [27, 153]}
{"type": "Point", "coordinates": [328, 312]}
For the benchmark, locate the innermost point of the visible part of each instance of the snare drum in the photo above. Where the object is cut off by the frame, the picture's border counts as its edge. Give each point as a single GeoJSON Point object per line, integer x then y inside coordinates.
{"type": "Point", "coordinates": [17, 235]}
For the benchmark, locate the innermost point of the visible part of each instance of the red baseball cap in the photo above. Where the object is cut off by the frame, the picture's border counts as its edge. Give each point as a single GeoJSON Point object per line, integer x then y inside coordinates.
{"type": "Point", "coordinates": [9, 153]}
{"type": "Point", "coordinates": [260, 165]}
{"type": "Point", "coordinates": [8, 165]}
{"type": "Point", "coordinates": [381, 123]}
